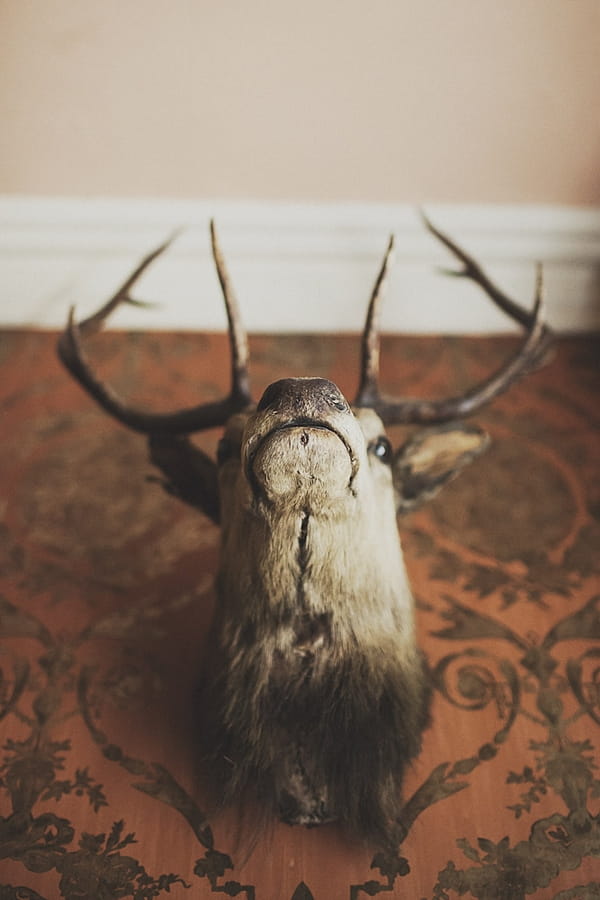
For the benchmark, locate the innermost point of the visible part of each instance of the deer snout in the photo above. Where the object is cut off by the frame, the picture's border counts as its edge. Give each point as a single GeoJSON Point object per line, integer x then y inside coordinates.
{"type": "Point", "coordinates": [302, 466]}
{"type": "Point", "coordinates": [303, 443]}
{"type": "Point", "coordinates": [309, 397]}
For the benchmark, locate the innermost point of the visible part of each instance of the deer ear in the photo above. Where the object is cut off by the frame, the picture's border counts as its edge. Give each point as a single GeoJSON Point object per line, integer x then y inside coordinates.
{"type": "Point", "coordinates": [430, 459]}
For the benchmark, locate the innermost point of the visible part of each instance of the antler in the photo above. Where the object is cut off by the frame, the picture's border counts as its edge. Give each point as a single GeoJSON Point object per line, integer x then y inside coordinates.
{"type": "Point", "coordinates": [473, 271]}
{"type": "Point", "coordinates": [206, 415]}
{"type": "Point", "coordinates": [368, 389]}
{"type": "Point", "coordinates": [413, 411]}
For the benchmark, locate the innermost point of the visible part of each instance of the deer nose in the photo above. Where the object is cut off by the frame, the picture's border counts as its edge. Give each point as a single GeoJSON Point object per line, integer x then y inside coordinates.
{"type": "Point", "coordinates": [303, 396]}
{"type": "Point", "coordinates": [302, 433]}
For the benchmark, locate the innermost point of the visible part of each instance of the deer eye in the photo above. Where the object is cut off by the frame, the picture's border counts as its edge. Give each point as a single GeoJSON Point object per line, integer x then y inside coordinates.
{"type": "Point", "coordinates": [337, 403]}
{"type": "Point", "coordinates": [381, 448]}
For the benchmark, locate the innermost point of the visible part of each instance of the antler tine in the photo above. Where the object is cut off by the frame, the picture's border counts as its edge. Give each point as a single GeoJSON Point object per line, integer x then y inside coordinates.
{"type": "Point", "coordinates": [206, 415]}
{"type": "Point", "coordinates": [368, 388]}
{"type": "Point", "coordinates": [94, 323]}
{"type": "Point", "coordinates": [409, 411]}
{"type": "Point", "coordinates": [473, 271]}
{"type": "Point", "coordinates": [240, 381]}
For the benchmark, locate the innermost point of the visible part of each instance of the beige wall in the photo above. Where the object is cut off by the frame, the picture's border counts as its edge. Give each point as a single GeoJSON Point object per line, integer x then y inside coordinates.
{"type": "Point", "coordinates": [379, 101]}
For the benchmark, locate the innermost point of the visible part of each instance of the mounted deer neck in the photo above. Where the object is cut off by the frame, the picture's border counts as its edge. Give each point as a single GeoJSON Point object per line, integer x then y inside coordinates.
{"type": "Point", "coordinates": [313, 654]}
{"type": "Point", "coordinates": [308, 514]}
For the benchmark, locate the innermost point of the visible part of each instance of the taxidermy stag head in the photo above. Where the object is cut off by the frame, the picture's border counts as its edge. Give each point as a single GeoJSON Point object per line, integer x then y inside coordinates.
{"type": "Point", "coordinates": [314, 694]}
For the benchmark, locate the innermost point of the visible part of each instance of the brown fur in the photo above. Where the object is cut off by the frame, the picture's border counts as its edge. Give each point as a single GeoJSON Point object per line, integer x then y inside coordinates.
{"type": "Point", "coordinates": [314, 695]}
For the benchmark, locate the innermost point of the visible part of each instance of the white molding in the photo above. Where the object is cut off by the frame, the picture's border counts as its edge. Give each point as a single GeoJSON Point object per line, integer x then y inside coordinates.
{"type": "Point", "coordinates": [302, 268]}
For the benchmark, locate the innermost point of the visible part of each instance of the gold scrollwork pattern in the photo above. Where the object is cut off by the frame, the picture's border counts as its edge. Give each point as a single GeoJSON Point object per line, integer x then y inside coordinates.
{"type": "Point", "coordinates": [106, 598]}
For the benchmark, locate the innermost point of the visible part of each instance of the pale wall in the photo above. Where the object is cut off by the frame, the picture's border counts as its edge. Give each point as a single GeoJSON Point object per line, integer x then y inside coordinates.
{"type": "Point", "coordinates": [385, 101]}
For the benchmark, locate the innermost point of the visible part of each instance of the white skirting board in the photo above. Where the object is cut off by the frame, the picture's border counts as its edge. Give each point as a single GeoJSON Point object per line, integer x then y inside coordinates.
{"type": "Point", "coordinates": [296, 268]}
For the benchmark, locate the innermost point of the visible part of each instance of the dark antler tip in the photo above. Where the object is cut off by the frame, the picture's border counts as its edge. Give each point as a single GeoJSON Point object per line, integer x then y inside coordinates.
{"type": "Point", "coordinates": [426, 220]}
{"type": "Point", "coordinates": [72, 330]}
{"type": "Point", "coordinates": [452, 273]}
{"type": "Point", "coordinates": [539, 301]}
{"type": "Point", "coordinates": [214, 239]}
{"type": "Point", "coordinates": [174, 235]}
{"type": "Point", "coordinates": [539, 281]}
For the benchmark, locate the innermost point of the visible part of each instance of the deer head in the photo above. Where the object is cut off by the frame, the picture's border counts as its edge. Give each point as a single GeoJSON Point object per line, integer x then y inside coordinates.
{"type": "Point", "coordinates": [313, 662]}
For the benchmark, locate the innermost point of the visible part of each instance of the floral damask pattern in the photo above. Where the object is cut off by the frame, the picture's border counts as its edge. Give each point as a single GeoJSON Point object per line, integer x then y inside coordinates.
{"type": "Point", "coordinates": [107, 593]}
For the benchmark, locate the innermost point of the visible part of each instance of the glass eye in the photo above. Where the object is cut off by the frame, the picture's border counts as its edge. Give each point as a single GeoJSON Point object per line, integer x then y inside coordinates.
{"type": "Point", "coordinates": [382, 449]}
{"type": "Point", "coordinates": [337, 402]}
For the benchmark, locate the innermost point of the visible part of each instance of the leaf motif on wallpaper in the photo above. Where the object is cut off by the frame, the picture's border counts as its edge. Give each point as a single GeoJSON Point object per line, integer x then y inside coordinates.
{"type": "Point", "coordinates": [302, 893]}
{"type": "Point", "coordinates": [161, 785]}
{"type": "Point", "coordinates": [569, 769]}
{"type": "Point", "coordinates": [485, 580]}
{"type": "Point", "coordinates": [9, 892]}
{"type": "Point", "coordinates": [12, 684]}
{"type": "Point", "coordinates": [541, 576]}
{"type": "Point", "coordinates": [589, 891]}
{"type": "Point", "coordinates": [538, 787]}
{"type": "Point", "coordinates": [213, 866]}
{"type": "Point", "coordinates": [470, 624]}
{"type": "Point", "coordinates": [586, 691]}
{"type": "Point", "coordinates": [143, 620]}
{"type": "Point", "coordinates": [584, 623]}
{"type": "Point", "coordinates": [436, 787]}
{"type": "Point", "coordinates": [390, 866]}
{"type": "Point", "coordinates": [99, 869]}
{"type": "Point", "coordinates": [16, 622]}
{"type": "Point", "coordinates": [504, 872]}
{"type": "Point", "coordinates": [82, 785]}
